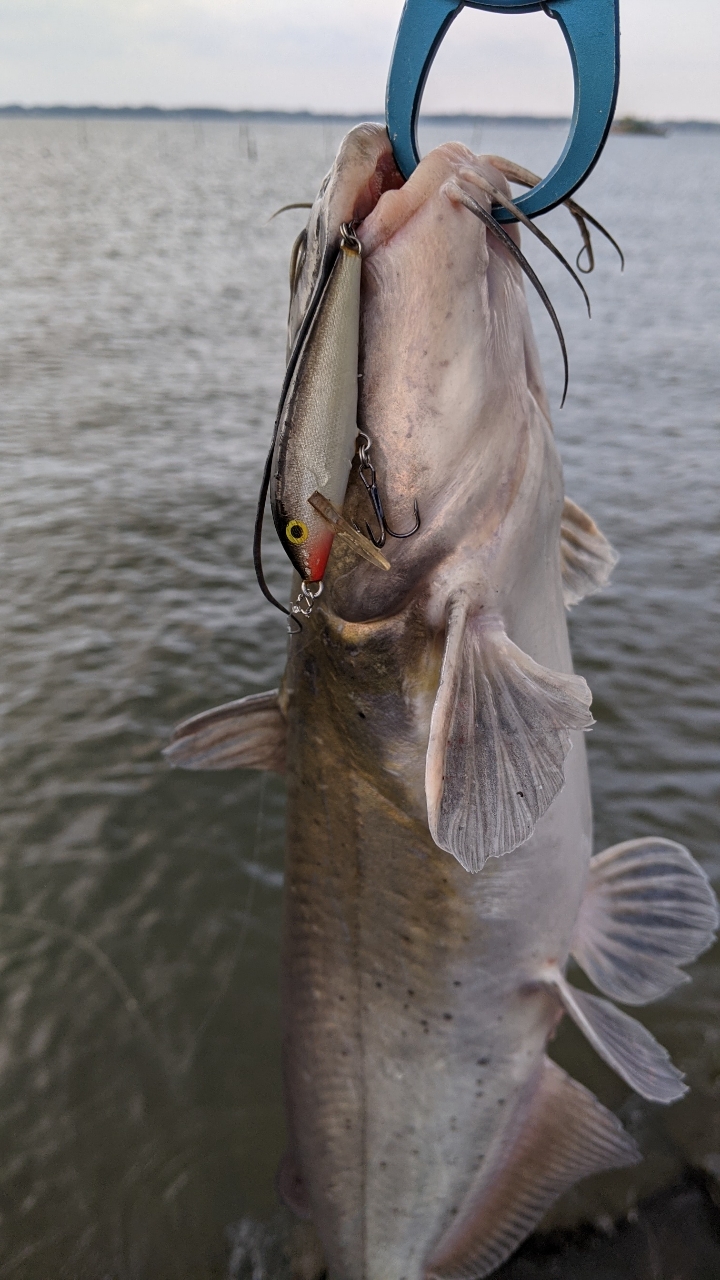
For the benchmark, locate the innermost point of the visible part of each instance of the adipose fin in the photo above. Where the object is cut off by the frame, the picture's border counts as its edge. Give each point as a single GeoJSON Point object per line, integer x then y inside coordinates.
{"type": "Point", "coordinates": [557, 1134]}
{"type": "Point", "coordinates": [499, 734]}
{"type": "Point", "coordinates": [648, 908]}
{"type": "Point", "coordinates": [247, 734]}
{"type": "Point", "coordinates": [586, 557]}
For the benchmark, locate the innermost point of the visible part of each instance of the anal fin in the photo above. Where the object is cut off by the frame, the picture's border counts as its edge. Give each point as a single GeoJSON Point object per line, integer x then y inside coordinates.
{"type": "Point", "coordinates": [586, 557]}
{"type": "Point", "coordinates": [499, 735]}
{"type": "Point", "coordinates": [247, 734]}
{"type": "Point", "coordinates": [558, 1133]}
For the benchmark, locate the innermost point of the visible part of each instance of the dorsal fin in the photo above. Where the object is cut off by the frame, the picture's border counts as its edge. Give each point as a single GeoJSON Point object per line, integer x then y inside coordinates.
{"type": "Point", "coordinates": [247, 734]}
{"type": "Point", "coordinates": [586, 557]}
{"type": "Point", "coordinates": [647, 909]}
{"type": "Point", "coordinates": [499, 735]}
{"type": "Point", "coordinates": [557, 1134]}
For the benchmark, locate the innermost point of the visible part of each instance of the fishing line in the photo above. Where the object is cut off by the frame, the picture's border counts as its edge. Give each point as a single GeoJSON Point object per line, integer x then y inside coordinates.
{"type": "Point", "coordinates": [247, 909]}
{"type": "Point", "coordinates": [103, 961]}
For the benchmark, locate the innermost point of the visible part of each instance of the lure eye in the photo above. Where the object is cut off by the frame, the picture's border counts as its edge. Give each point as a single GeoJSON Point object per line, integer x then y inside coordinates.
{"type": "Point", "coordinates": [296, 532]}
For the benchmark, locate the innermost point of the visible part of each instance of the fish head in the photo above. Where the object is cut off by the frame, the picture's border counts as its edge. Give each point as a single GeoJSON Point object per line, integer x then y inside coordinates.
{"type": "Point", "coordinates": [363, 170]}
{"type": "Point", "coordinates": [448, 373]}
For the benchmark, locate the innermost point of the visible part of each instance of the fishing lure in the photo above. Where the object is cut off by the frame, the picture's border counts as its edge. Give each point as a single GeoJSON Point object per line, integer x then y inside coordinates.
{"type": "Point", "coordinates": [317, 423]}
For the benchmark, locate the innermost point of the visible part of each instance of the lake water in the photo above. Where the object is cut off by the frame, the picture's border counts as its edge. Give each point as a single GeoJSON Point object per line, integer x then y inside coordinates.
{"type": "Point", "coordinates": [142, 306]}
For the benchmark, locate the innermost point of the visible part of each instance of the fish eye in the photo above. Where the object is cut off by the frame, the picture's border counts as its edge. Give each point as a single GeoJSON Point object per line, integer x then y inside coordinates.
{"type": "Point", "coordinates": [296, 532]}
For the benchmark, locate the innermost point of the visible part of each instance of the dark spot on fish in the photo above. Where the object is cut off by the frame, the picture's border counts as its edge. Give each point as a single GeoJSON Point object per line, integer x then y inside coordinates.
{"type": "Point", "coordinates": [479, 1093]}
{"type": "Point", "coordinates": [383, 1164]}
{"type": "Point", "coordinates": [447, 1017]}
{"type": "Point", "coordinates": [457, 983]}
{"type": "Point", "coordinates": [482, 1062]}
{"type": "Point", "coordinates": [501, 1102]}
{"type": "Point", "coordinates": [361, 715]}
{"type": "Point", "coordinates": [410, 991]}
{"type": "Point", "coordinates": [521, 795]}
{"type": "Point", "coordinates": [379, 985]}
{"type": "Point", "coordinates": [341, 997]}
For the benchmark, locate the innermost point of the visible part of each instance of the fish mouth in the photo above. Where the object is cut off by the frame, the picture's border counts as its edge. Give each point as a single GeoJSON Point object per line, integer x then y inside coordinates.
{"type": "Point", "coordinates": [383, 202]}
{"type": "Point", "coordinates": [363, 172]}
{"type": "Point", "coordinates": [396, 205]}
{"type": "Point", "coordinates": [366, 190]}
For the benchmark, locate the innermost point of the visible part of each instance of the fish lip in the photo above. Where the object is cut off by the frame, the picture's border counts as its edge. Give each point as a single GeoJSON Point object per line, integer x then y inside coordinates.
{"type": "Point", "coordinates": [363, 170]}
{"type": "Point", "coordinates": [396, 207]}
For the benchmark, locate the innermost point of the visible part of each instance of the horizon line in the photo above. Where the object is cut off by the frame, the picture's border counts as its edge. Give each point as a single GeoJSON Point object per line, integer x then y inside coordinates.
{"type": "Point", "coordinates": [150, 111]}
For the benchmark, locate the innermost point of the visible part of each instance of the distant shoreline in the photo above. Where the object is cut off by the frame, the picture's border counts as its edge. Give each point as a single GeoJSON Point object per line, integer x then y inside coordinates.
{"type": "Point", "coordinates": [299, 117]}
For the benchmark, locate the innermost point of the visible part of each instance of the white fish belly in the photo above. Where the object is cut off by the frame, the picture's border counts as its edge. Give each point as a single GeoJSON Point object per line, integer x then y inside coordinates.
{"type": "Point", "coordinates": [412, 1022]}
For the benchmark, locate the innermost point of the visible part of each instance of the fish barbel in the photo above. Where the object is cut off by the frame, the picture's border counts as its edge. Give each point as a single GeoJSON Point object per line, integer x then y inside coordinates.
{"type": "Point", "coordinates": [439, 871]}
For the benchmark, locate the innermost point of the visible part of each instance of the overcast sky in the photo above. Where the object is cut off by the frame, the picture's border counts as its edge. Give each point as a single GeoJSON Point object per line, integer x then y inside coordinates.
{"type": "Point", "coordinates": [333, 55]}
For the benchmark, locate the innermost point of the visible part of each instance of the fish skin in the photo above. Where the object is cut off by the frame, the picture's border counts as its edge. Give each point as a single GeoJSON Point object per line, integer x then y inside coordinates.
{"type": "Point", "coordinates": [383, 1086]}
{"type": "Point", "coordinates": [394, 1098]}
{"type": "Point", "coordinates": [428, 1131]}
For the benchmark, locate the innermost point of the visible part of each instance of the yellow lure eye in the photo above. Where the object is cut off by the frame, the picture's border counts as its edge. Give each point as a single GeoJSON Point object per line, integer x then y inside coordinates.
{"type": "Point", "coordinates": [296, 532]}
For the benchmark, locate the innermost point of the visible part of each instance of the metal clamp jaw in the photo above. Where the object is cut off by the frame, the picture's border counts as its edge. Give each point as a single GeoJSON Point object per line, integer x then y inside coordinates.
{"type": "Point", "coordinates": [592, 31]}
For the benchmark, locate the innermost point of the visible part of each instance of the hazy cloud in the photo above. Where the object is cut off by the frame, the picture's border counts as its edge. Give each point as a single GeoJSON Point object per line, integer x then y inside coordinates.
{"type": "Point", "coordinates": [331, 55]}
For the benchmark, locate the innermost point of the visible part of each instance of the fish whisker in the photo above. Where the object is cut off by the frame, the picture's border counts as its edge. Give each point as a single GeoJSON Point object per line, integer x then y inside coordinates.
{"type": "Point", "coordinates": [526, 178]}
{"type": "Point", "coordinates": [500, 198]}
{"type": "Point", "coordinates": [298, 204]}
{"type": "Point", "coordinates": [582, 216]}
{"type": "Point", "coordinates": [456, 192]}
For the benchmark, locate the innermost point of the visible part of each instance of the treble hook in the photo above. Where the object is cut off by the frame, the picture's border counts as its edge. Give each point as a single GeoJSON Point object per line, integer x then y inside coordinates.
{"type": "Point", "coordinates": [368, 477]}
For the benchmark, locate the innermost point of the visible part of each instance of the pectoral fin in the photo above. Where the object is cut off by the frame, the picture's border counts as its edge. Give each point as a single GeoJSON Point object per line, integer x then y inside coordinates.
{"type": "Point", "coordinates": [247, 734]}
{"type": "Point", "coordinates": [499, 735]}
{"type": "Point", "coordinates": [648, 908]}
{"type": "Point", "coordinates": [557, 1134]}
{"type": "Point", "coordinates": [624, 1043]}
{"type": "Point", "coordinates": [586, 557]}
